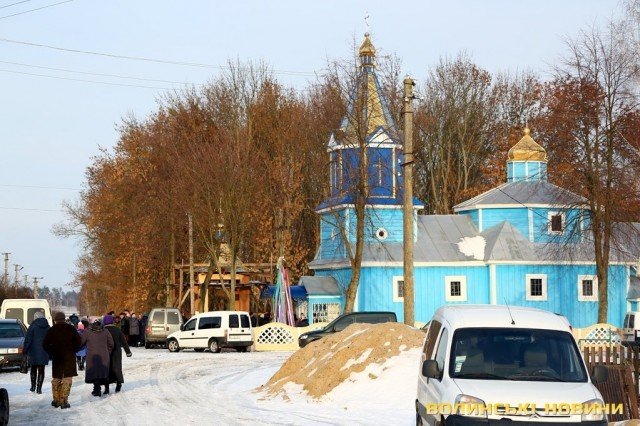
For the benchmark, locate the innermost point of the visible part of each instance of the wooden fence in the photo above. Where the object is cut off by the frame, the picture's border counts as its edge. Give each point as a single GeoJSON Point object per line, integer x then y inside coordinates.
{"type": "Point", "coordinates": [622, 386]}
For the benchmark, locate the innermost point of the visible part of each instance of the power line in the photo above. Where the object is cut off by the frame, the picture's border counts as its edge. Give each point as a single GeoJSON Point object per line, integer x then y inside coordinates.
{"type": "Point", "coordinates": [33, 10]}
{"type": "Point", "coordinates": [30, 210]}
{"type": "Point", "coordinates": [86, 81]}
{"type": "Point", "coordinates": [13, 4]}
{"type": "Point", "coordinates": [94, 73]}
{"type": "Point", "coordinates": [39, 187]}
{"type": "Point", "coordinates": [146, 59]}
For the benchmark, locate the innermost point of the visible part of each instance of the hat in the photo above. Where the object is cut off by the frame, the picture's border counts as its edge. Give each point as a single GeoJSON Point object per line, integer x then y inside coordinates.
{"type": "Point", "coordinates": [108, 320]}
{"type": "Point", "coordinates": [80, 326]}
{"type": "Point", "coordinates": [37, 315]}
{"type": "Point", "coordinates": [59, 317]}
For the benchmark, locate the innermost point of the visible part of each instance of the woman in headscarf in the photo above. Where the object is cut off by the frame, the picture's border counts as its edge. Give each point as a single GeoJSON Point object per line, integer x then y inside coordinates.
{"type": "Point", "coordinates": [99, 346]}
{"type": "Point", "coordinates": [119, 343]}
{"type": "Point", "coordinates": [38, 357]}
{"type": "Point", "coordinates": [81, 355]}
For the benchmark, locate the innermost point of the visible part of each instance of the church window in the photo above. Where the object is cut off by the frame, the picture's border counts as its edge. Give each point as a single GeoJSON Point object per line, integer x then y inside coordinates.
{"type": "Point", "coordinates": [398, 289]}
{"type": "Point", "coordinates": [587, 288]}
{"type": "Point", "coordinates": [536, 287]}
{"type": "Point", "coordinates": [456, 288]}
{"type": "Point", "coordinates": [556, 222]}
{"type": "Point", "coordinates": [382, 234]}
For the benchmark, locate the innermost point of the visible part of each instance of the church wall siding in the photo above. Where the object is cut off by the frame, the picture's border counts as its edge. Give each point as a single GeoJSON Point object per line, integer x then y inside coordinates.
{"type": "Point", "coordinates": [388, 218]}
{"type": "Point", "coordinates": [473, 214]}
{"type": "Point", "coordinates": [541, 226]}
{"type": "Point", "coordinates": [562, 291]}
{"type": "Point", "coordinates": [376, 289]}
{"type": "Point", "coordinates": [518, 217]}
{"type": "Point", "coordinates": [331, 245]}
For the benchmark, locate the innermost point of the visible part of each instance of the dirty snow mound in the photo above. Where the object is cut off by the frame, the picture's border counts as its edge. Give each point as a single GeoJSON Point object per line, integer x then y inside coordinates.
{"type": "Point", "coordinates": [358, 348]}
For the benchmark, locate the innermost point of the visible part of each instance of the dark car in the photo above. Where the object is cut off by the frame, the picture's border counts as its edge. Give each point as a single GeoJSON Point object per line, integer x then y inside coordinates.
{"type": "Point", "coordinates": [12, 334]}
{"type": "Point", "coordinates": [345, 320]}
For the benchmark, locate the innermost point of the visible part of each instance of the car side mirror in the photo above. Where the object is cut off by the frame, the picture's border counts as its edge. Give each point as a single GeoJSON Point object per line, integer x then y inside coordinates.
{"type": "Point", "coordinates": [181, 327]}
{"type": "Point", "coordinates": [430, 369]}
{"type": "Point", "coordinates": [599, 374]}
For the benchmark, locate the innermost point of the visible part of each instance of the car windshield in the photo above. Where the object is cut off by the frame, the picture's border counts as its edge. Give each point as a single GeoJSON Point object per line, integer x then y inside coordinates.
{"type": "Point", "coordinates": [515, 354]}
{"type": "Point", "coordinates": [10, 330]}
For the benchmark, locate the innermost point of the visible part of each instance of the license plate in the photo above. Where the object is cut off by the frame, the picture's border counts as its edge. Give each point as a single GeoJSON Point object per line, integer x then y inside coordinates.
{"type": "Point", "coordinates": [236, 337]}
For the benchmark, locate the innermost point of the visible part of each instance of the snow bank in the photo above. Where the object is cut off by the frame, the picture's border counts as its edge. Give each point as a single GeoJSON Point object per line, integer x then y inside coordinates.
{"type": "Point", "coordinates": [355, 361]}
{"type": "Point", "coordinates": [472, 246]}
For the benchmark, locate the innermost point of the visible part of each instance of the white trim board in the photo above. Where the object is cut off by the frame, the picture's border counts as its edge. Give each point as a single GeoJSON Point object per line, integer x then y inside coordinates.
{"type": "Point", "coordinates": [519, 206]}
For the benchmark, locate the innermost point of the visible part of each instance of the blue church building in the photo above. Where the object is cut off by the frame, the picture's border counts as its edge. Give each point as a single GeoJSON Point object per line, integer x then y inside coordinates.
{"type": "Point", "coordinates": [522, 243]}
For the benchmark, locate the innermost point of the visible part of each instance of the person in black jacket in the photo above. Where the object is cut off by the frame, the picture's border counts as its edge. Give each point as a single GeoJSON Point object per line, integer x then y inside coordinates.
{"type": "Point", "coordinates": [38, 357]}
{"type": "Point", "coordinates": [61, 343]}
{"type": "Point", "coordinates": [119, 343]}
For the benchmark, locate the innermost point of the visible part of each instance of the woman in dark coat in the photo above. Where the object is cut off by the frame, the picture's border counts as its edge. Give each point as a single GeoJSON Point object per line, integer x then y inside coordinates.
{"type": "Point", "coordinates": [61, 343]}
{"type": "Point", "coordinates": [99, 346]}
{"type": "Point", "coordinates": [38, 357]}
{"type": "Point", "coordinates": [119, 343]}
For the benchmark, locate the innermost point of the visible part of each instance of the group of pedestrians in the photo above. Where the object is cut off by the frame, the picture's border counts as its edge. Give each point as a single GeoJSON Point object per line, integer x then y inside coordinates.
{"type": "Point", "coordinates": [132, 328]}
{"type": "Point", "coordinates": [69, 346]}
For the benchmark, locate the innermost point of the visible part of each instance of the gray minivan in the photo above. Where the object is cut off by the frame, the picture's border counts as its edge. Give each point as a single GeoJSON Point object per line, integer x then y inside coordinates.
{"type": "Point", "coordinates": [160, 324]}
{"type": "Point", "coordinates": [343, 321]}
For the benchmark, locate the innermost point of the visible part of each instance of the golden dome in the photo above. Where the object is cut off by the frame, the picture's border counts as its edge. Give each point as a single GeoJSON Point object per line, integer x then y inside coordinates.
{"type": "Point", "coordinates": [527, 149]}
{"type": "Point", "coordinates": [367, 48]}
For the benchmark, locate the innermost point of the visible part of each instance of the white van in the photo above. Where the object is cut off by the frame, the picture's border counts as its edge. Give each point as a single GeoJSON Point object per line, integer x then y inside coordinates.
{"type": "Point", "coordinates": [213, 330]}
{"type": "Point", "coordinates": [484, 363]}
{"type": "Point", "coordinates": [23, 309]}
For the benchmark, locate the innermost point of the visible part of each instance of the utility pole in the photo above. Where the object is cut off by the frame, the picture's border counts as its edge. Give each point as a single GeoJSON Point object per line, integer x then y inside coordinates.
{"type": "Point", "coordinates": [191, 272]}
{"type": "Point", "coordinates": [17, 269]}
{"type": "Point", "coordinates": [408, 222]}
{"type": "Point", "coordinates": [35, 286]}
{"type": "Point", "coordinates": [6, 269]}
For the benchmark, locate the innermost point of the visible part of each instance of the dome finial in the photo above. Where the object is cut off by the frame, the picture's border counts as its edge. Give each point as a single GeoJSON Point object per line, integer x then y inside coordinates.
{"type": "Point", "coordinates": [367, 51]}
{"type": "Point", "coordinates": [527, 131]}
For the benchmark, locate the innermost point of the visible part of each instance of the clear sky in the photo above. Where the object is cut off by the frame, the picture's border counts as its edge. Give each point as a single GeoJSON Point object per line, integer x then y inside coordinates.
{"type": "Point", "coordinates": [51, 127]}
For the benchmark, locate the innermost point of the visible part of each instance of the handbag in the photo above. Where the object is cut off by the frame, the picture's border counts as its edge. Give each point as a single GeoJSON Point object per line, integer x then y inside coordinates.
{"type": "Point", "coordinates": [24, 367]}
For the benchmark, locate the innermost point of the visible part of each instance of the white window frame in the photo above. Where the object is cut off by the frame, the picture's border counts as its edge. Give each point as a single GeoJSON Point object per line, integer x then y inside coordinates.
{"type": "Point", "coordinates": [581, 296]}
{"type": "Point", "coordinates": [396, 295]}
{"type": "Point", "coordinates": [530, 297]}
{"type": "Point", "coordinates": [564, 223]}
{"type": "Point", "coordinates": [463, 288]}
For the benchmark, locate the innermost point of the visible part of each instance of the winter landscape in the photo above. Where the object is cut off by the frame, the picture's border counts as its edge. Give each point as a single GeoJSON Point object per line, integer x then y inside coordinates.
{"type": "Point", "coordinates": [228, 388]}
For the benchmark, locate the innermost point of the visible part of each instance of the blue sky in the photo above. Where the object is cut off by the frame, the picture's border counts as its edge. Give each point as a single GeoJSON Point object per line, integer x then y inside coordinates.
{"type": "Point", "coordinates": [50, 128]}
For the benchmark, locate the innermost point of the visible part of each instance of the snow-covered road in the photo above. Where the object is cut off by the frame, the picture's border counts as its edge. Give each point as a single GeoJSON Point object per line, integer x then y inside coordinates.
{"type": "Point", "coordinates": [188, 388]}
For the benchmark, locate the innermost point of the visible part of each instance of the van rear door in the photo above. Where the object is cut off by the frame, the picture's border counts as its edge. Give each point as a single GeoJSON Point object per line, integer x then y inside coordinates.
{"type": "Point", "coordinates": [157, 323]}
{"type": "Point", "coordinates": [628, 330]}
{"type": "Point", "coordinates": [239, 328]}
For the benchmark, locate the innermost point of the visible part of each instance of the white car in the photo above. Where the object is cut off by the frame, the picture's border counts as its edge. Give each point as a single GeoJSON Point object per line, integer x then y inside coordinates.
{"type": "Point", "coordinates": [213, 330]}
{"type": "Point", "coordinates": [485, 363]}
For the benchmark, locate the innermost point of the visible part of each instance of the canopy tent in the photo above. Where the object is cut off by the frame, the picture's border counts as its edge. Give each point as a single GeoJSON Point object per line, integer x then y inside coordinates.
{"type": "Point", "coordinates": [298, 292]}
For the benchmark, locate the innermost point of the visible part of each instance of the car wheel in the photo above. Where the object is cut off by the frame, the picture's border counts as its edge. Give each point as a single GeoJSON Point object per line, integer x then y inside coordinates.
{"type": "Point", "coordinates": [241, 348]}
{"type": "Point", "coordinates": [147, 345]}
{"type": "Point", "coordinates": [214, 346]}
{"type": "Point", "coordinates": [4, 407]}
{"type": "Point", "coordinates": [173, 346]}
{"type": "Point", "coordinates": [198, 349]}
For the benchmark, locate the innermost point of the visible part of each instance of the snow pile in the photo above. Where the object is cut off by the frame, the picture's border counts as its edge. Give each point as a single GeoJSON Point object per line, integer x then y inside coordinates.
{"type": "Point", "coordinates": [472, 246]}
{"type": "Point", "coordinates": [353, 359]}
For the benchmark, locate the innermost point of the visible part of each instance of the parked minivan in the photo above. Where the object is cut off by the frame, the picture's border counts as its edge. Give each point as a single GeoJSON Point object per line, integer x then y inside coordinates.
{"type": "Point", "coordinates": [160, 324]}
{"type": "Point", "coordinates": [24, 309]}
{"type": "Point", "coordinates": [343, 322]}
{"type": "Point", "coordinates": [214, 330]}
{"type": "Point", "coordinates": [484, 363]}
{"type": "Point", "coordinates": [631, 327]}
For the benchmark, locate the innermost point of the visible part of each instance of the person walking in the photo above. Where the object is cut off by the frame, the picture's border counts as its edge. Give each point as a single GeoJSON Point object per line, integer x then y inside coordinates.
{"type": "Point", "coordinates": [81, 355]}
{"type": "Point", "coordinates": [61, 343]}
{"type": "Point", "coordinates": [99, 346]}
{"type": "Point", "coordinates": [134, 330]}
{"type": "Point", "coordinates": [37, 356]}
{"type": "Point", "coordinates": [119, 343]}
{"type": "Point", "coordinates": [124, 324]}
